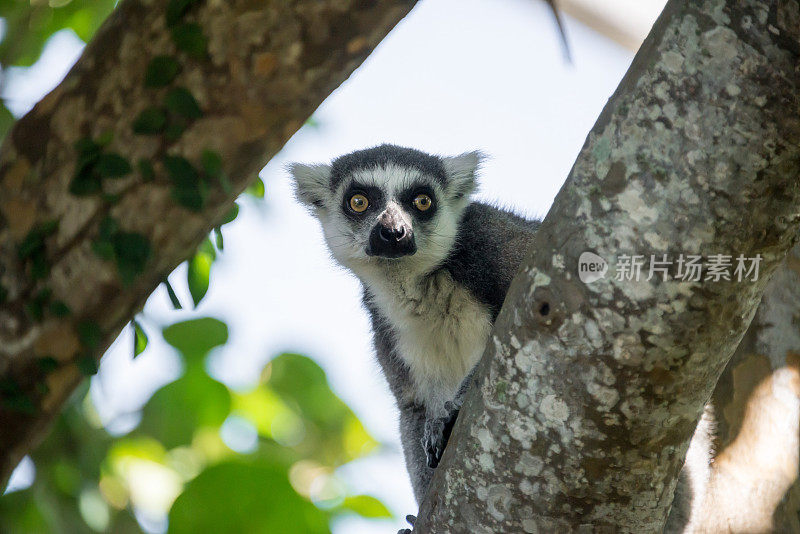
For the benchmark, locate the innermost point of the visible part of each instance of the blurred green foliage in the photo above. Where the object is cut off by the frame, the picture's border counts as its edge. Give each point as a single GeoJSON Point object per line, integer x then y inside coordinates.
{"type": "Point", "coordinates": [175, 461]}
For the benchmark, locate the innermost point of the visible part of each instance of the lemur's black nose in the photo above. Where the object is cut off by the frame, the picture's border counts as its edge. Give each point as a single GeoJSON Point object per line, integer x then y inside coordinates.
{"type": "Point", "coordinates": [391, 241]}
{"type": "Point", "coordinates": [392, 233]}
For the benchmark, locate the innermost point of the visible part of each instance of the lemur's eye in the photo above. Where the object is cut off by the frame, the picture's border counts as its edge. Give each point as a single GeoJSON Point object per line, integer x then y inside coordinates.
{"type": "Point", "coordinates": [359, 203]}
{"type": "Point", "coordinates": [422, 202]}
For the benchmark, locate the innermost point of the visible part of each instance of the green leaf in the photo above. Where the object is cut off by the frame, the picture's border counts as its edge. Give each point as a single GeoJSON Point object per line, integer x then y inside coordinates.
{"type": "Point", "coordinates": [256, 189]}
{"type": "Point", "coordinates": [150, 121]}
{"type": "Point", "coordinates": [212, 163]}
{"type": "Point", "coordinates": [33, 242]}
{"type": "Point", "coordinates": [105, 138]}
{"type": "Point", "coordinates": [176, 411]}
{"type": "Point", "coordinates": [48, 227]}
{"type": "Point", "coordinates": [161, 71]}
{"type": "Point", "coordinates": [87, 366]}
{"type": "Point", "coordinates": [19, 403]}
{"type": "Point", "coordinates": [176, 9]}
{"type": "Point", "coordinates": [180, 171]}
{"type": "Point", "coordinates": [189, 38]}
{"type": "Point", "coordinates": [176, 303]}
{"type": "Point", "coordinates": [28, 26]}
{"type": "Point", "coordinates": [300, 382]}
{"type": "Point", "coordinates": [198, 275]}
{"type": "Point", "coordinates": [103, 249]}
{"type": "Point", "coordinates": [111, 198]}
{"type": "Point", "coordinates": [146, 170]}
{"type": "Point", "coordinates": [196, 337]}
{"type": "Point", "coordinates": [89, 334]}
{"type": "Point", "coordinates": [85, 183]}
{"type": "Point", "coordinates": [188, 189]}
{"type": "Point", "coordinates": [366, 506]}
{"type": "Point", "coordinates": [139, 339]}
{"type": "Point", "coordinates": [174, 131]}
{"type": "Point", "coordinates": [231, 215]}
{"type": "Point", "coordinates": [107, 228]}
{"type": "Point", "coordinates": [86, 146]}
{"type": "Point", "coordinates": [218, 239]}
{"type": "Point", "coordinates": [181, 102]}
{"type": "Point", "coordinates": [59, 309]}
{"type": "Point", "coordinates": [202, 507]}
{"type": "Point", "coordinates": [39, 266]}
{"type": "Point", "coordinates": [112, 166]}
{"type": "Point", "coordinates": [132, 251]}
{"type": "Point", "coordinates": [48, 364]}
{"type": "Point", "coordinates": [34, 310]}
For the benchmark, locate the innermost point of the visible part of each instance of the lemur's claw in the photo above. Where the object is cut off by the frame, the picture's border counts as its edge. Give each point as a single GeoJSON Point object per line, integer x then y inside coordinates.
{"type": "Point", "coordinates": [411, 519]}
{"type": "Point", "coordinates": [437, 433]}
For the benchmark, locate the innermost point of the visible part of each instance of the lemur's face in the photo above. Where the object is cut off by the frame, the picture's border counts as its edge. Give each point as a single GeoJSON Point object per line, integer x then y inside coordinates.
{"type": "Point", "coordinates": [388, 207]}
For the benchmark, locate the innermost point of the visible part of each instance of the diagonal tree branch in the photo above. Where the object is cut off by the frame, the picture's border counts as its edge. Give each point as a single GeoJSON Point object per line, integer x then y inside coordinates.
{"type": "Point", "coordinates": [76, 261]}
{"type": "Point", "coordinates": [589, 392]}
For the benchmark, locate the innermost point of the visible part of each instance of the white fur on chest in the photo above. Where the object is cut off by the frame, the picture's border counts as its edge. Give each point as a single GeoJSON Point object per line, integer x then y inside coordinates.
{"type": "Point", "coordinates": [440, 330]}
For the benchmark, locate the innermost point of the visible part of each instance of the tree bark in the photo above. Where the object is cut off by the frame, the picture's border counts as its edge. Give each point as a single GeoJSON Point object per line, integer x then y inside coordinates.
{"type": "Point", "coordinates": [589, 393]}
{"type": "Point", "coordinates": [77, 261]}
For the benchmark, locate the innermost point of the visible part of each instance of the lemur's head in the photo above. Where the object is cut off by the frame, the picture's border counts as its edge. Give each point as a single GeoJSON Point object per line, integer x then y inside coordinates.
{"type": "Point", "coordinates": [389, 206]}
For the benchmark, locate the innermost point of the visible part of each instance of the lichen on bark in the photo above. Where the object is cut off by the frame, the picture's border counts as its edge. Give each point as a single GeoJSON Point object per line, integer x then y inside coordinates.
{"type": "Point", "coordinates": [697, 153]}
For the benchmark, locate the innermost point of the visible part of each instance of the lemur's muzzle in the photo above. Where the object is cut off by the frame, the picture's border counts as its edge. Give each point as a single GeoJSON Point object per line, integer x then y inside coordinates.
{"type": "Point", "coordinates": [393, 236]}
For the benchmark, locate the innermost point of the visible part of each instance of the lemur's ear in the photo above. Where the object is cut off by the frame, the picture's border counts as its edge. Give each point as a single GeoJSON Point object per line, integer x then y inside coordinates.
{"type": "Point", "coordinates": [311, 183]}
{"type": "Point", "coordinates": [462, 173]}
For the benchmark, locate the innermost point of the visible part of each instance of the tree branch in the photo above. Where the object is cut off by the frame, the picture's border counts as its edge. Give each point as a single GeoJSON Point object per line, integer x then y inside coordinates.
{"type": "Point", "coordinates": [88, 231]}
{"type": "Point", "coordinates": [589, 393]}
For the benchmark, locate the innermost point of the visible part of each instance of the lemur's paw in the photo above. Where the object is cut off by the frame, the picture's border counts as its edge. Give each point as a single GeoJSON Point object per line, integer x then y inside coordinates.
{"type": "Point", "coordinates": [411, 519]}
{"type": "Point", "coordinates": [437, 433]}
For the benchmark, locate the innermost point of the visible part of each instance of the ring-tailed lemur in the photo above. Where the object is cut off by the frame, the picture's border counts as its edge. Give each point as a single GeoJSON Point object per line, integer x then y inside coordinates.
{"type": "Point", "coordinates": [435, 267]}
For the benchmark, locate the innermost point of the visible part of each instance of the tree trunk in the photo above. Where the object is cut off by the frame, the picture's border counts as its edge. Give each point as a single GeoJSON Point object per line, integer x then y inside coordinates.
{"type": "Point", "coordinates": [118, 174]}
{"type": "Point", "coordinates": [589, 392]}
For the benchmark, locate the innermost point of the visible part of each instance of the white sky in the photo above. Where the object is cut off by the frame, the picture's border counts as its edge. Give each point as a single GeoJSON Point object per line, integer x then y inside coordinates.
{"type": "Point", "coordinates": [456, 75]}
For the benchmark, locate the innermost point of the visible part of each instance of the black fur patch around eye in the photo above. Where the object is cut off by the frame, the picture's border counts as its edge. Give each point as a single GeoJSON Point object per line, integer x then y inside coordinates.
{"type": "Point", "coordinates": [383, 155]}
{"type": "Point", "coordinates": [374, 196]}
{"type": "Point", "coordinates": [407, 197]}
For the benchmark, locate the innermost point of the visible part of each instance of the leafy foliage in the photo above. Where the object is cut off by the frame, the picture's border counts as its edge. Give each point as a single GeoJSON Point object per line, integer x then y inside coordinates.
{"type": "Point", "coordinates": [189, 38]}
{"type": "Point", "coordinates": [95, 165]}
{"type": "Point", "coordinates": [181, 102]}
{"type": "Point", "coordinates": [150, 121]}
{"type": "Point", "coordinates": [199, 273]}
{"type": "Point", "coordinates": [89, 480]}
{"type": "Point", "coordinates": [129, 250]}
{"type": "Point", "coordinates": [30, 24]}
{"type": "Point", "coordinates": [189, 188]}
{"type": "Point", "coordinates": [161, 71]}
{"type": "Point", "coordinates": [256, 189]}
{"type": "Point", "coordinates": [139, 339]}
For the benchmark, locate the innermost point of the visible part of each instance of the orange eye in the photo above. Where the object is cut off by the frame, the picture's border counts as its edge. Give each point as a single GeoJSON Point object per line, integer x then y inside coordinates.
{"type": "Point", "coordinates": [359, 203]}
{"type": "Point", "coordinates": [422, 202]}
